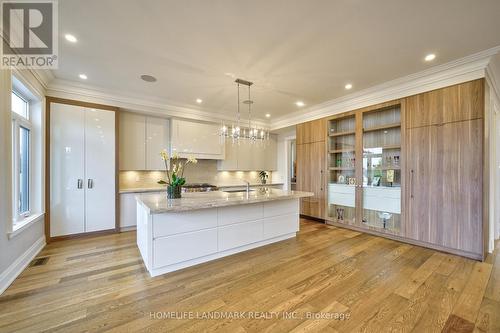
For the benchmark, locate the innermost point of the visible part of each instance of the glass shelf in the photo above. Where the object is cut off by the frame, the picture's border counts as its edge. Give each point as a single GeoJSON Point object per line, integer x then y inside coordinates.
{"type": "Point", "coordinates": [382, 170]}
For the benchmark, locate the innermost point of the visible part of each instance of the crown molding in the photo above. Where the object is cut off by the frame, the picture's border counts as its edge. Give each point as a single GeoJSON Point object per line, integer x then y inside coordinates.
{"type": "Point", "coordinates": [465, 69]}
{"type": "Point", "coordinates": [136, 103]}
{"type": "Point", "coordinates": [493, 78]}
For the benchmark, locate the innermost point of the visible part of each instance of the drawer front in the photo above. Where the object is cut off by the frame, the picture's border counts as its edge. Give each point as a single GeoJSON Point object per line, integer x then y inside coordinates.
{"type": "Point", "coordinates": [240, 234]}
{"type": "Point", "coordinates": [176, 223]}
{"type": "Point", "coordinates": [240, 213]}
{"type": "Point", "coordinates": [281, 207]}
{"type": "Point", "coordinates": [280, 225]}
{"type": "Point", "coordinates": [183, 247]}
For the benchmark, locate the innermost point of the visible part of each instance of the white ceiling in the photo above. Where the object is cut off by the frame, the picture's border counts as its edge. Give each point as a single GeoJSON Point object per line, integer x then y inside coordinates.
{"type": "Point", "coordinates": [293, 50]}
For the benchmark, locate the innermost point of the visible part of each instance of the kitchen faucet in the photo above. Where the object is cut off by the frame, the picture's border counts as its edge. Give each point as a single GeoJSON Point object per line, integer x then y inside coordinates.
{"type": "Point", "coordinates": [248, 185]}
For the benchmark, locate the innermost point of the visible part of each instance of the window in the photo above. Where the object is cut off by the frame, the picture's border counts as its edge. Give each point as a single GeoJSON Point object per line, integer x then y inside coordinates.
{"type": "Point", "coordinates": [21, 157]}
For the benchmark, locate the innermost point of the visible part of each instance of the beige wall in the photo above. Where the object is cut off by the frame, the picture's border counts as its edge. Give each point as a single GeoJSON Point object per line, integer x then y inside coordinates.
{"type": "Point", "coordinates": [203, 172]}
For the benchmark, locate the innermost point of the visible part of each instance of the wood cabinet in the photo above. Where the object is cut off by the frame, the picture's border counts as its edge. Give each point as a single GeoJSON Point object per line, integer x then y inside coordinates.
{"type": "Point", "coordinates": [247, 156]}
{"type": "Point", "coordinates": [311, 178]}
{"type": "Point", "coordinates": [364, 168]}
{"type": "Point", "coordinates": [455, 103]}
{"type": "Point", "coordinates": [311, 131]}
{"type": "Point", "coordinates": [142, 138]}
{"type": "Point", "coordinates": [445, 185]}
{"type": "Point", "coordinates": [200, 140]}
{"type": "Point", "coordinates": [411, 169]}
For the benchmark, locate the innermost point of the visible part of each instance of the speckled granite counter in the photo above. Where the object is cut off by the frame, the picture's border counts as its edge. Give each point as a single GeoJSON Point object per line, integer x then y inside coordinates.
{"type": "Point", "coordinates": [158, 203]}
{"type": "Point", "coordinates": [219, 185]}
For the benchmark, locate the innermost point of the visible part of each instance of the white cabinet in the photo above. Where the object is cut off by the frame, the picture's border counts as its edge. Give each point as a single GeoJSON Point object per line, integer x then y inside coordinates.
{"type": "Point", "coordinates": [200, 140]}
{"type": "Point", "coordinates": [175, 240]}
{"type": "Point", "coordinates": [132, 141]}
{"type": "Point", "coordinates": [157, 139]}
{"type": "Point", "coordinates": [247, 156]}
{"type": "Point", "coordinates": [128, 211]}
{"type": "Point", "coordinates": [142, 138]}
{"type": "Point", "coordinates": [82, 170]}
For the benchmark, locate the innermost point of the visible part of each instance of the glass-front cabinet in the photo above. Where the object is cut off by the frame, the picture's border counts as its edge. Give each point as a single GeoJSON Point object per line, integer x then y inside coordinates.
{"type": "Point", "coordinates": [342, 169]}
{"type": "Point", "coordinates": [366, 193]}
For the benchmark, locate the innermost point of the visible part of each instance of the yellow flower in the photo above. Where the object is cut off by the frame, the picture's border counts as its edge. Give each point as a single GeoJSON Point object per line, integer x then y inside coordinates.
{"type": "Point", "coordinates": [164, 155]}
{"type": "Point", "coordinates": [175, 156]}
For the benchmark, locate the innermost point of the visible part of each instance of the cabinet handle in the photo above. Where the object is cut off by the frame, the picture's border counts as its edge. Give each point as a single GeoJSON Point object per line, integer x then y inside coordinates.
{"type": "Point", "coordinates": [79, 184]}
{"type": "Point", "coordinates": [321, 188]}
{"type": "Point", "coordinates": [90, 183]}
{"type": "Point", "coordinates": [411, 183]}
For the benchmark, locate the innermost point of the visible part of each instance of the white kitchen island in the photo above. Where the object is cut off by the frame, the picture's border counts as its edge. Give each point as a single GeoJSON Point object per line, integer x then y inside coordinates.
{"type": "Point", "coordinates": [199, 227]}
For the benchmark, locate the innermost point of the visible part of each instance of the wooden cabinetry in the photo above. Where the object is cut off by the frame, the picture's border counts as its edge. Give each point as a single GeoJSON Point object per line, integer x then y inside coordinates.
{"type": "Point", "coordinates": [364, 168]}
{"type": "Point", "coordinates": [455, 103]}
{"type": "Point", "coordinates": [311, 131]}
{"type": "Point", "coordinates": [445, 171]}
{"type": "Point", "coordinates": [142, 138]}
{"type": "Point", "coordinates": [411, 169]}
{"type": "Point", "coordinates": [311, 177]}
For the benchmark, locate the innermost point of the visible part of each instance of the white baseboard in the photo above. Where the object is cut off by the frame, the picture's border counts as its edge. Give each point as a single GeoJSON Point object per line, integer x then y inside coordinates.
{"type": "Point", "coordinates": [129, 228]}
{"type": "Point", "coordinates": [12, 272]}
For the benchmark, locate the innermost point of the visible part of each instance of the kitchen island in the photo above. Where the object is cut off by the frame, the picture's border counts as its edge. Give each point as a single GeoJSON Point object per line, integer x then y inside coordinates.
{"type": "Point", "coordinates": [176, 233]}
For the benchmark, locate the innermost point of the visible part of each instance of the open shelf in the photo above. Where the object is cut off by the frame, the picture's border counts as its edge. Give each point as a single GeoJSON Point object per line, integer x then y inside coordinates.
{"type": "Point", "coordinates": [342, 133]}
{"type": "Point", "coordinates": [385, 147]}
{"type": "Point", "coordinates": [382, 127]}
{"type": "Point", "coordinates": [346, 150]}
{"type": "Point", "coordinates": [342, 168]}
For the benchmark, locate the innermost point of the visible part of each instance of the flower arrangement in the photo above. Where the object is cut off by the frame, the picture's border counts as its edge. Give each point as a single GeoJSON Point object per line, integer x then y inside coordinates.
{"type": "Point", "coordinates": [174, 167]}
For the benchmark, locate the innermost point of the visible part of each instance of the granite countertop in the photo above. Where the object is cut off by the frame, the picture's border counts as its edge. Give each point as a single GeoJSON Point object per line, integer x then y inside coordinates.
{"type": "Point", "coordinates": [158, 203]}
{"type": "Point", "coordinates": [219, 185]}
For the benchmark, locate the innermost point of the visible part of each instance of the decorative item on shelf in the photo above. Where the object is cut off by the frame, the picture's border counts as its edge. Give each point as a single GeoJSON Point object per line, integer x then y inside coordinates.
{"type": "Point", "coordinates": [352, 181]}
{"type": "Point", "coordinates": [263, 175]}
{"type": "Point", "coordinates": [341, 179]}
{"type": "Point", "coordinates": [376, 181]}
{"type": "Point", "coordinates": [340, 214]}
{"type": "Point", "coordinates": [175, 173]}
{"type": "Point", "coordinates": [390, 176]}
{"type": "Point", "coordinates": [236, 133]}
{"type": "Point", "coordinates": [384, 217]}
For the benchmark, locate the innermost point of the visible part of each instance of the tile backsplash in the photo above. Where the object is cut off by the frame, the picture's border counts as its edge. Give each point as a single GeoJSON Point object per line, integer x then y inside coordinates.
{"type": "Point", "coordinates": [203, 172]}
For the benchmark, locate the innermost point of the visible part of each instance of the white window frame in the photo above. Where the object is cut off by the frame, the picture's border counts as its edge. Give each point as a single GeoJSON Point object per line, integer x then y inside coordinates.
{"type": "Point", "coordinates": [19, 121]}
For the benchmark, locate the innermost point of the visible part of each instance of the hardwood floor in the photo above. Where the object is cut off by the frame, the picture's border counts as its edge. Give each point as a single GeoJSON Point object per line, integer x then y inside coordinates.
{"type": "Point", "coordinates": [99, 284]}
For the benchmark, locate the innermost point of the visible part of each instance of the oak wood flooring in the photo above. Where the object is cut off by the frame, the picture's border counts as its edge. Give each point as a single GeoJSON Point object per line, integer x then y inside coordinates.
{"type": "Point", "coordinates": [328, 279]}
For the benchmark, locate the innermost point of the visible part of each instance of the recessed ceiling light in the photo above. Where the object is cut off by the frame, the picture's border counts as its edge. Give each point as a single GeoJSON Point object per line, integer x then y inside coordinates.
{"type": "Point", "coordinates": [70, 38]}
{"type": "Point", "coordinates": [148, 78]}
{"type": "Point", "coordinates": [268, 115]}
{"type": "Point", "coordinates": [348, 86]}
{"type": "Point", "coordinates": [83, 76]}
{"type": "Point", "coordinates": [430, 57]}
{"type": "Point", "coordinates": [299, 103]}
{"type": "Point", "coordinates": [199, 100]}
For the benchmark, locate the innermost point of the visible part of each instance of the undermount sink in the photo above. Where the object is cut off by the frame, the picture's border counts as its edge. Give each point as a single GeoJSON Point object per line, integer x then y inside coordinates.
{"type": "Point", "coordinates": [237, 191]}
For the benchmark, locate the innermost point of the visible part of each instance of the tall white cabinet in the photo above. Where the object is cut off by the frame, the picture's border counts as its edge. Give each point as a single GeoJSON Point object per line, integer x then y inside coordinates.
{"type": "Point", "coordinates": [82, 170]}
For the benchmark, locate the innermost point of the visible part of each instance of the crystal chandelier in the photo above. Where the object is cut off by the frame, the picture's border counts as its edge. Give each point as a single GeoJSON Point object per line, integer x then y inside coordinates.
{"type": "Point", "coordinates": [236, 133]}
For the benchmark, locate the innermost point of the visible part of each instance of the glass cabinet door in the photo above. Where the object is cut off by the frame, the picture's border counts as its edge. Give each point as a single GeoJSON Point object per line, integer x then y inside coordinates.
{"type": "Point", "coordinates": [341, 170]}
{"type": "Point", "coordinates": [382, 170]}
